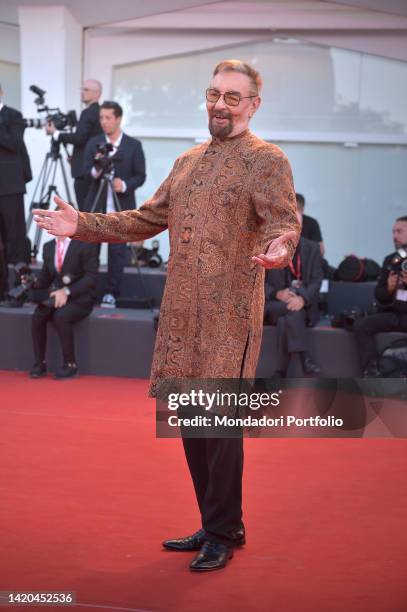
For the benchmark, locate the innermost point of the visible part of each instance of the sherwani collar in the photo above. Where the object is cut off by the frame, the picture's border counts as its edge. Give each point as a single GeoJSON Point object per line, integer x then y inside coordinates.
{"type": "Point", "coordinates": [233, 140]}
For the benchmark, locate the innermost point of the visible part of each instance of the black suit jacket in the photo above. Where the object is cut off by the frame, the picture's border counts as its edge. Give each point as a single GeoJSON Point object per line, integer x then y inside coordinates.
{"type": "Point", "coordinates": [88, 127]}
{"type": "Point", "coordinates": [310, 229]}
{"type": "Point", "coordinates": [129, 165]}
{"type": "Point", "coordinates": [311, 276]}
{"type": "Point", "coordinates": [81, 261]}
{"type": "Point", "coordinates": [386, 300]}
{"type": "Point", "coordinates": [15, 169]}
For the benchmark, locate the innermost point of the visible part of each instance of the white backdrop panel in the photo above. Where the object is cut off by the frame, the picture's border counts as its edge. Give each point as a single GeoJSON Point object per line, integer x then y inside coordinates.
{"type": "Point", "coordinates": [307, 88]}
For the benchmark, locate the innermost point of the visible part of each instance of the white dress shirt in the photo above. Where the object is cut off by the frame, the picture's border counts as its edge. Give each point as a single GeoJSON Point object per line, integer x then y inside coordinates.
{"type": "Point", "coordinates": [66, 242]}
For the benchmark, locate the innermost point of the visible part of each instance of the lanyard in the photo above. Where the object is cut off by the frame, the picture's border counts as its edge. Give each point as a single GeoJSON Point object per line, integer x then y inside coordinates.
{"type": "Point", "coordinates": [296, 273]}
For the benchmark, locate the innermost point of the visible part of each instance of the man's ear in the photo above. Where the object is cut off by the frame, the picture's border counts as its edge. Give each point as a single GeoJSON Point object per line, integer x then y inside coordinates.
{"type": "Point", "coordinates": [255, 105]}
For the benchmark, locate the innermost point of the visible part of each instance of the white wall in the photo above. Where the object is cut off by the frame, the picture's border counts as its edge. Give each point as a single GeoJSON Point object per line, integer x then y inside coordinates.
{"type": "Point", "coordinates": [105, 50]}
{"type": "Point", "coordinates": [51, 58]}
{"type": "Point", "coordinates": [9, 43]}
{"type": "Point", "coordinates": [356, 193]}
{"type": "Point", "coordinates": [10, 64]}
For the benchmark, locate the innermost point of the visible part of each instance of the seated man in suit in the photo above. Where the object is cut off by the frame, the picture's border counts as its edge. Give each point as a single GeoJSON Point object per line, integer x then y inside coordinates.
{"type": "Point", "coordinates": [391, 296]}
{"type": "Point", "coordinates": [70, 271]}
{"type": "Point", "coordinates": [125, 172]}
{"type": "Point", "coordinates": [292, 304]}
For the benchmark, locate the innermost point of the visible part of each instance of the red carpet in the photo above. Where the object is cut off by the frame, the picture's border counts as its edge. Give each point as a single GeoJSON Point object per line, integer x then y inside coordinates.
{"type": "Point", "coordinates": [88, 493]}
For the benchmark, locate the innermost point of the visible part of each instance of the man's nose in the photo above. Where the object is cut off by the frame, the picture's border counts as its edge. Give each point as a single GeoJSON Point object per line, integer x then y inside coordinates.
{"type": "Point", "coordinates": [220, 104]}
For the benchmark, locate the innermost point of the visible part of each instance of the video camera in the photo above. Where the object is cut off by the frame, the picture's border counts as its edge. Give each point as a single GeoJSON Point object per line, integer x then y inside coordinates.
{"type": "Point", "coordinates": [398, 263]}
{"type": "Point", "coordinates": [24, 274]}
{"type": "Point", "coordinates": [103, 161]}
{"type": "Point", "coordinates": [26, 290]}
{"type": "Point", "coordinates": [62, 121]}
{"type": "Point", "coordinates": [146, 257]}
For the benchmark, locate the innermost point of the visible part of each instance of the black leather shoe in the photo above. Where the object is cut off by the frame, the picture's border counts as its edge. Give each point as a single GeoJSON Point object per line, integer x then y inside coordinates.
{"type": "Point", "coordinates": [212, 556]}
{"type": "Point", "coordinates": [197, 539]}
{"type": "Point", "coordinates": [67, 371]}
{"type": "Point", "coordinates": [310, 367]}
{"type": "Point", "coordinates": [192, 542]}
{"type": "Point", "coordinates": [38, 370]}
{"type": "Point", "coordinates": [240, 537]}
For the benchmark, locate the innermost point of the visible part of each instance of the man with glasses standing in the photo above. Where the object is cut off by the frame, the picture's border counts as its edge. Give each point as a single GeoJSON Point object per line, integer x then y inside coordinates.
{"type": "Point", "coordinates": [88, 127]}
{"type": "Point", "coordinates": [230, 208]}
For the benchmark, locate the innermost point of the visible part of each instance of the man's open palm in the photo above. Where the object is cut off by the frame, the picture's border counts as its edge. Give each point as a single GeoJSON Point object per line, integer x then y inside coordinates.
{"type": "Point", "coordinates": [61, 222]}
{"type": "Point", "coordinates": [277, 253]}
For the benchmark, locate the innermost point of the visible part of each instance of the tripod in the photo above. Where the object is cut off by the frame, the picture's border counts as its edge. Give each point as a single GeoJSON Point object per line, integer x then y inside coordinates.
{"type": "Point", "coordinates": [46, 187]}
{"type": "Point", "coordinates": [106, 182]}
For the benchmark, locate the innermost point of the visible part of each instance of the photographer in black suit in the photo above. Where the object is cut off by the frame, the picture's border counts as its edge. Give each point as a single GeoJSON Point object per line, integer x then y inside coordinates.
{"type": "Point", "coordinates": [291, 303]}
{"type": "Point", "coordinates": [88, 127]}
{"type": "Point", "coordinates": [15, 172]}
{"type": "Point", "coordinates": [391, 296]}
{"type": "Point", "coordinates": [128, 172]}
{"type": "Point", "coordinates": [64, 260]}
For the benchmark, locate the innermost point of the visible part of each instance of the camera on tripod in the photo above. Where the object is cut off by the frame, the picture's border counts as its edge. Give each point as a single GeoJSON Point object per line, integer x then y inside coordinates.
{"type": "Point", "coordinates": [103, 161]}
{"type": "Point", "coordinates": [46, 184]}
{"type": "Point", "coordinates": [398, 263]}
{"type": "Point", "coordinates": [62, 121]}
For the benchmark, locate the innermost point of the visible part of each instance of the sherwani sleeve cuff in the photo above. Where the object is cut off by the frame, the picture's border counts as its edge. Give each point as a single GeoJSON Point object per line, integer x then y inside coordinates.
{"type": "Point", "coordinates": [274, 199]}
{"type": "Point", "coordinates": [129, 225]}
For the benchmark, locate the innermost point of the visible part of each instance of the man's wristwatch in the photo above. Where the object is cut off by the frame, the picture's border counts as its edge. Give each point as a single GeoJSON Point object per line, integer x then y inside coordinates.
{"type": "Point", "coordinates": [67, 291]}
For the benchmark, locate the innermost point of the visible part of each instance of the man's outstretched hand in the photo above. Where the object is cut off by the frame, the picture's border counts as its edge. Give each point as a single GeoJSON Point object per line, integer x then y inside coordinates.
{"type": "Point", "coordinates": [277, 253]}
{"type": "Point", "coordinates": [61, 222]}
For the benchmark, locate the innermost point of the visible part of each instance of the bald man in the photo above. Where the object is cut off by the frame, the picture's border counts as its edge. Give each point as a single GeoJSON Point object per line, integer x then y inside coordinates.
{"type": "Point", "coordinates": [88, 127]}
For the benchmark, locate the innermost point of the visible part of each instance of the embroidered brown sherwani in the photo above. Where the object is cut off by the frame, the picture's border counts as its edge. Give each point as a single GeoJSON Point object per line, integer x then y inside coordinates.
{"type": "Point", "coordinates": [223, 202]}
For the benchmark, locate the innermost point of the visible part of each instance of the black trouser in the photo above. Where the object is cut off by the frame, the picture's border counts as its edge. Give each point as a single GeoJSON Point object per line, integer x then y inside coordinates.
{"type": "Point", "coordinates": [366, 328]}
{"type": "Point", "coordinates": [12, 227]}
{"type": "Point", "coordinates": [291, 331]}
{"type": "Point", "coordinates": [115, 265]}
{"type": "Point", "coordinates": [81, 186]}
{"type": "Point", "coordinates": [63, 318]}
{"type": "Point", "coordinates": [216, 467]}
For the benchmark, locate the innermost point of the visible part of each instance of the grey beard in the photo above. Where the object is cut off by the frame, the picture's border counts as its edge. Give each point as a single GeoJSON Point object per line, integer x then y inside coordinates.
{"type": "Point", "coordinates": [220, 132]}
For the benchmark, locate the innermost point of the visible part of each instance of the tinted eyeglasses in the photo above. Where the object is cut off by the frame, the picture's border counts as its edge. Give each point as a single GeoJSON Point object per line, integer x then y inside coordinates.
{"type": "Point", "coordinates": [231, 98]}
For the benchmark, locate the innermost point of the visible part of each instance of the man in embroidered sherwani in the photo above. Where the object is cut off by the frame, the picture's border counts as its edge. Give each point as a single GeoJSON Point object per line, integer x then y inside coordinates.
{"type": "Point", "coordinates": [229, 205]}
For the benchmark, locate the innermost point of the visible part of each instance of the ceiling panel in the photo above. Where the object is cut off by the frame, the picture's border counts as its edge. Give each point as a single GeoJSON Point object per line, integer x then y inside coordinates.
{"type": "Point", "coordinates": [394, 7]}
{"type": "Point", "coordinates": [91, 12]}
